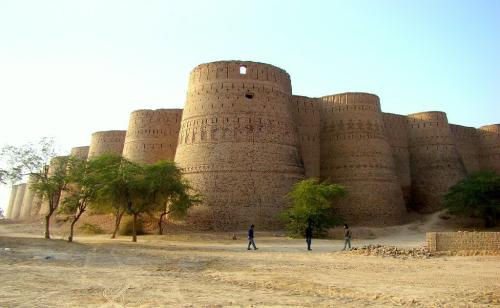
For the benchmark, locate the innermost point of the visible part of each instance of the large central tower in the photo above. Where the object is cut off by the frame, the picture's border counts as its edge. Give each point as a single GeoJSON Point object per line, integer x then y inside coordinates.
{"type": "Point", "coordinates": [238, 143]}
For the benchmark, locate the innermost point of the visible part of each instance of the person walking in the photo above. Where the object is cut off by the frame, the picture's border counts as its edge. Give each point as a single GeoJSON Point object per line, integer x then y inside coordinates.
{"type": "Point", "coordinates": [309, 235]}
{"type": "Point", "coordinates": [347, 237]}
{"type": "Point", "coordinates": [250, 238]}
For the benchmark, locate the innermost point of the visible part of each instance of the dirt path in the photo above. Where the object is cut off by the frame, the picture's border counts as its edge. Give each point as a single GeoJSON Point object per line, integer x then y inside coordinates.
{"type": "Point", "coordinates": [206, 270]}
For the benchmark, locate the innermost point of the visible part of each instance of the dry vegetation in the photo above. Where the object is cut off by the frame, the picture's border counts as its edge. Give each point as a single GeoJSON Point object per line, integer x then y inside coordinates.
{"type": "Point", "coordinates": [192, 270]}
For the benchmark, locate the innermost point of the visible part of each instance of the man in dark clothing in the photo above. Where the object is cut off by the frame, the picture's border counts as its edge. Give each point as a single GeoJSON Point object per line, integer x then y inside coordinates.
{"type": "Point", "coordinates": [309, 235]}
{"type": "Point", "coordinates": [347, 237]}
{"type": "Point", "coordinates": [250, 238]}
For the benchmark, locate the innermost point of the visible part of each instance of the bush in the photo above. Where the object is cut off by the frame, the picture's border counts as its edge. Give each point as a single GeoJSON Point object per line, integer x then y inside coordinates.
{"type": "Point", "coordinates": [126, 226]}
{"type": "Point", "coordinates": [312, 203]}
{"type": "Point", "coordinates": [91, 229]}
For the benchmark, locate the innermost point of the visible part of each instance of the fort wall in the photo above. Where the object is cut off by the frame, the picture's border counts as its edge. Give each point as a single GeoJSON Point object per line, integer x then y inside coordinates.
{"type": "Point", "coordinates": [107, 142]}
{"type": "Point", "coordinates": [307, 112]}
{"type": "Point", "coordinates": [434, 160]}
{"type": "Point", "coordinates": [238, 143]}
{"type": "Point", "coordinates": [395, 128]}
{"type": "Point", "coordinates": [355, 152]}
{"type": "Point", "coordinates": [18, 201]}
{"type": "Point", "coordinates": [152, 135]}
{"type": "Point", "coordinates": [489, 140]}
{"type": "Point", "coordinates": [29, 195]}
{"type": "Point", "coordinates": [466, 140]}
{"type": "Point", "coordinates": [12, 198]}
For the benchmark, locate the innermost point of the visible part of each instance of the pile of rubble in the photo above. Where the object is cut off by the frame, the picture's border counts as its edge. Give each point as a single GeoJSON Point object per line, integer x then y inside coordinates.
{"type": "Point", "coordinates": [392, 251]}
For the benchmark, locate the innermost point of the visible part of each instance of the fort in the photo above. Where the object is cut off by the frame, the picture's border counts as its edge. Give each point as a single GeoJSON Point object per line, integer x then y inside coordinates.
{"type": "Point", "coordinates": [243, 139]}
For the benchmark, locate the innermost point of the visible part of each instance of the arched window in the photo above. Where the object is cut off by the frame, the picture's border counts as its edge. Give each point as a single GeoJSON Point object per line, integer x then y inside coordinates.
{"type": "Point", "coordinates": [243, 69]}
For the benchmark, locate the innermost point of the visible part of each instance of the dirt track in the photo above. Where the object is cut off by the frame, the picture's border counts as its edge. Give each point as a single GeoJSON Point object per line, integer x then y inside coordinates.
{"type": "Point", "coordinates": [213, 270]}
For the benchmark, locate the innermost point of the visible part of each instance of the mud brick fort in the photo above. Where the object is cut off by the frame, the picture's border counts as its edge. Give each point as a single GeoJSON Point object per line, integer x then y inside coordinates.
{"type": "Point", "coordinates": [243, 139]}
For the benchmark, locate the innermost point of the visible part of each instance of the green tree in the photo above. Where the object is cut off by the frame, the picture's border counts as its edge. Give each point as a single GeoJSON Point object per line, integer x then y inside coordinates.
{"type": "Point", "coordinates": [111, 171]}
{"type": "Point", "coordinates": [83, 178]}
{"type": "Point", "coordinates": [477, 195]}
{"type": "Point", "coordinates": [51, 181]}
{"type": "Point", "coordinates": [312, 202]}
{"type": "Point", "coordinates": [19, 161]}
{"type": "Point", "coordinates": [167, 191]}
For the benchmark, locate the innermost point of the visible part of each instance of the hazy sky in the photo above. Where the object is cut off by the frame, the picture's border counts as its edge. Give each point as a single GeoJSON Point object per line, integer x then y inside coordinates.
{"type": "Point", "coordinates": [69, 68]}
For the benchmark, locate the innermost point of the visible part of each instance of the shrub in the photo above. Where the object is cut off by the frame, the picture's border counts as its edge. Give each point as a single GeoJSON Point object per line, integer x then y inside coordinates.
{"type": "Point", "coordinates": [126, 226]}
{"type": "Point", "coordinates": [91, 229]}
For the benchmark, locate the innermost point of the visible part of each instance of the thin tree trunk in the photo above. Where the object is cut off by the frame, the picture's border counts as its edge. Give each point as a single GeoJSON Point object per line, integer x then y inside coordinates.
{"type": "Point", "coordinates": [134, 231]}
{"type": "Point", "coordinates": [47, 227]}
{"type": "Point", "coordinates": [160, 223]}
{"type": "Point", "coordinates": [70, 238]}
{"type": "Point", "coordinates": [118, 219]}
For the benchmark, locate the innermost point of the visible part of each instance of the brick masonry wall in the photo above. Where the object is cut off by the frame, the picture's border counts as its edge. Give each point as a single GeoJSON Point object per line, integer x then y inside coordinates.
{"type": "Point", "coordinates": [238, 144]}
{"type": "Point", "coordinates": [355, 152]}
{"type": "Point", "coordinates": [489, 139]}
{"type": "Point", "coordinates": [18, 201]}
{"type": "Point", "coordinates": [466, 140]}
{"type": "Point", "coordinates": [395, 128]}
{"type": "Point", "coordinates": [12, 198]}
{"type": "Point", "coordinates": [458, 241]}
{"type": "Point", "coordinates": [152, 135]}
{"type": "Point", "coordinates": [29, 195]}
{"type": "Point", "coordinates": [307, 111]}
{"type": "Point", "coordinates": [434, 160]}
{"type": "Point", "coordinates": [107, 142]}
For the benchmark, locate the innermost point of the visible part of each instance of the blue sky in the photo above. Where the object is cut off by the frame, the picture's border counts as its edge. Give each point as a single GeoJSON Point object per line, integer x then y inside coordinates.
{"type": "Point", "coordinates": [69, 68]}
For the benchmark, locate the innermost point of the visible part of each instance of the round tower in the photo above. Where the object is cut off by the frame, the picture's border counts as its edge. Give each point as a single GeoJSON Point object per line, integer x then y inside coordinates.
{"type": "Point", "coordinates": [238, 143]}
{"type": "Point", "coordinates": [107, 142]}
{"type": "Point", "coordinates": [355, 152]}
{"type": "Point", "coordinates": [12, 198]}
{"type": "Point", "coordinates": [434, 160]}
{"type": "Point", "coordinates": [80, 152]}
{"type": "Point", "coordinates": [152, 135]}
{"type": "Point", "coordinates": [489, 137]}
{"type": "Point", "coordinates": [307, 111]}
{"type": "Point", "coordinates": [28, 198]}
{"type": "Point", "coordinates": [18, 201]}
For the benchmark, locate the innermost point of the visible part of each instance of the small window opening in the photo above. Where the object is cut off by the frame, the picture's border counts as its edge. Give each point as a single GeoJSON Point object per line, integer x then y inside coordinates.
{"type": "Point", "coordinates": [249, 95]}
{"type": "Point", "coordinates": [243, 70]}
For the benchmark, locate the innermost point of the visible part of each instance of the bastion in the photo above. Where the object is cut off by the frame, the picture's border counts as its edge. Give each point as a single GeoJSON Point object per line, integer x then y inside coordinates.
{"type": "Point", "coordinates": [152, 135]}
{"type": "Point", "coordinates": [107, 142]}
{"type": "Point", "coordinates": [238, 143]}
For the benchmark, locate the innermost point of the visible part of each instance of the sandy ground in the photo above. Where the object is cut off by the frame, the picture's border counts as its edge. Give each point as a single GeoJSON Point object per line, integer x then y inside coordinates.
{"type": "Point", "coordinates": [211, 270]}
